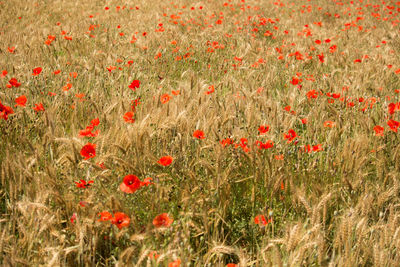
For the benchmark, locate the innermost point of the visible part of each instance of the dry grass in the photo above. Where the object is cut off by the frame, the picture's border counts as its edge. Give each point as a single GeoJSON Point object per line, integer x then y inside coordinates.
{"type": "Point", "coordinates": [335, 207]}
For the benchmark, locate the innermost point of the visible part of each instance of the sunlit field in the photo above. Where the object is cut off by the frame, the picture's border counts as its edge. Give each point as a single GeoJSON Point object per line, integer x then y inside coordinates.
{"type": "Point", "coordinates": [200, 133]}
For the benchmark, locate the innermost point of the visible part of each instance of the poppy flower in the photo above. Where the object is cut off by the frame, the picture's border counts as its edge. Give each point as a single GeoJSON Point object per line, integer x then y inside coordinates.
{"type": "Point", "coordinates": [263, 129]}
{"type": "Point", "coordinates": [260, 220]}
{"type": "Point", "coordinates": [105, 216]}
{"type": "Point", "coordinates": [3, 73]}
{"type": "Point", "coordinates": [295, 81]}
{"type": "Point", "coordinates": [88, 151]}
{"type": "Point", "coordinates": [73, 218]}
{"type": "Point", "coordinates": [162, 220]}
{"type": "Point", "coordinates": [290, 136]}
{"type": "Point", "coordinates": [130, 184]}
{"type": "Point", "coordinates": [165, 161]}
{"type": "Point", "coordinates": [37, 71]}
{"type": "Point", "coordinates": [211, 90]}
{"type": "Point", "coordinates": [83, 203]}
{"type": "Point", "coordinates": [165, 98]}
{"type": "Point", "coordinates": [88, 132]}
{"type": "Point", "coordinates": [135, 84]}
{"type": "Point", "coordinates": [378, 130]}
{"type": "Point", "coordinates": [176, 92]}
{"type": "Point", "coordinates": [20, 101]}
{"type": "Point", "coordinates": [393, 125]}
{"type": "Point", "coordinates": [38, 107]}
{"type": "Point", "coordinates": [5, 111]}
{"type": "Point", "coordinates": [128, 117]}
{"type": "Point", "coordinates": [175, 263]}
{"type": "Point", "coordinates": [393, 107]}
{"type": "Point", "coordinates": [266, 145]}
{"type": "Point", "coordinates": [135, 103]}
{"type": "Point", "coordinates": [232, 265]}
{"type": "Point", "coordinates": [153, 255]}
{"type": "Point", "coordinates": [83, 183]}
{"type": "Point", "coordinates": [14, 82]}
{"type": "Point", "coordinates": [329, 124]}
{"type": "Point", "coordinates": [95, 122]}
{"type": "Point", "coordinates": [226, 141]}
{"type": "Point", "coordinates": [198, 134]}
{"type": "Point", "coordinates": [317, 148]}
{"type": "Point", "coordinates": [147, 181]}
{"type": "Point", "coordinates": [120, 220]}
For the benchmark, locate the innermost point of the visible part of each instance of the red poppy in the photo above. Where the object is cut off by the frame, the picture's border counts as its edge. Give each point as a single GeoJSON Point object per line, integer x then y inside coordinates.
{"type": "Point", "coordinates": [83, 183]}
{"type": "Point", "coordinates": [130, 184]}
{"type": "Point", "coordinates": [56, 72]}
{"type": "Point", "coordinates": [165, 98]}
{"type": "Point", "coordinates": [263, 129]}
{"type": "Point", "coordinates": [378, 130]}
{"type": "Point", "coordinates": [73, 218]}
{"type": "Point", "coordinates": [232, 265]}
{"type": "Point", "coordinates": [312, 94]}
{"type": "Point", "coordinates": [317, 148]}
{"type": "Point", "coordinates": [120, 220]}
{"type": "Point", "coordinates": [88, 132]}
{"type": "Point", "coordinates": [176, 92]}
{"type": "Point", "coordinates": [38, 107]}
{"type": "Point", "coordinates": [5, 111]}
{"type": "Point", "coordinates": [393, 107]}
{"type": "Point", "coordinates": [198, 134]}
{"type": "Point", "coordinates": [266, 145]}
{"type": "Point", "coordinates": [80, 96]}
{"type": "Point", "coordinates": [162, 220]}
{"type": "Point", "coordinates": [128, 117]}
{"type": "Point", "coordinates": [329, 124]}
{"type": "Point", "coordinates": [260, 220]}
{"type": "Point", "coordinates": [295, 81]}
{"type": "Point", "coordinates": [211, 90]}
{"type": "Point", "coordinates": [135, 103]}
{"type": "Point", "coordinates": [165, 161]}
{"type": "Point", "coordinates": [3, 73]}
{"type": "Point", "coordinates": [290, 136]}
{"type": "Point", "coordinates": [95, 122]}
{"type": "Point", "coordinates": [226, 141]}
{"type": "Point", "coordinates": [88, 151]}
{"type": "Point", "coordinates": [14, 82]}
{"type": "Point", "coordinates": [83, 203]}
{"type": "Point", "coordinates": [37, 71]}
{"type": "Point", "coordinates": [135, 84]}
{"type": "Point", "coordinates": [175, 263]}
{"type": "Point", "coordinates": [153, 255]}
{"type": "Point", "coordinates": [393, 125]}
{"type": "Point", "coordinates": [147, 181]}
{"type": "Point", "coordinates": [20, 101]}
{"type": "Point", "coordinates": [105, 216]}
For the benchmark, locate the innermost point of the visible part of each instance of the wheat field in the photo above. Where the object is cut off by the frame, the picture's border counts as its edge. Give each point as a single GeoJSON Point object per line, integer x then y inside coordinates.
{"type": "Point", "coordinates": [199, 133]}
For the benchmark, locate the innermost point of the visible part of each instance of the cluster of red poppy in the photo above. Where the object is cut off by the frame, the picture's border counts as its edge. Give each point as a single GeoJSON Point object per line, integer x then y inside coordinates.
{"type": "Point", "coordinates": [261, 220]}
{"type": "Point", "coordinates": [119, 219]}
{"type": "Point", "coordinates": [5, 111]}
{"type": "Point", "coordinates": [88, 131]}
{"type": "Point", "coordinates": [131, 183]}
{"type": "Point", "coordinates": [83, 184]}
